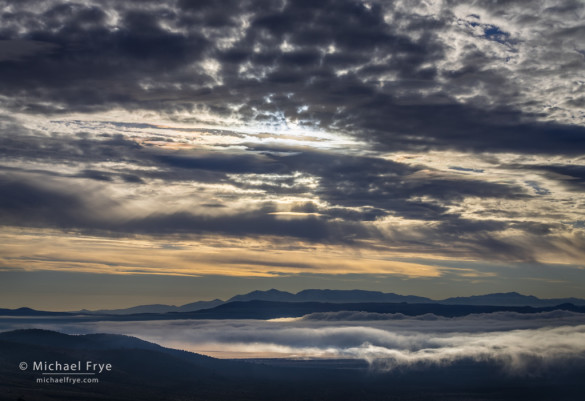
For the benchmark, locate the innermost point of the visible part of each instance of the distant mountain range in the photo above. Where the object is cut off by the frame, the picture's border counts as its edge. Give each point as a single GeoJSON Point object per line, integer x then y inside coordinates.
{"type": "Point", "coordinates": [320, 296]}
{"type": "Point", "coordinates": [511, 299]}
{"type": "Point", "coordinates": [334, 296]}
{"type": "Point", "coordinates": [353, 296]}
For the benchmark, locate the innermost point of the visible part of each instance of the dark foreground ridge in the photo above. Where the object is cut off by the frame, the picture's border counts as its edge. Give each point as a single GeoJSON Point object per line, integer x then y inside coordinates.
{"type": "Point", "coordinates": [30, 312]}
{"type": "Point", "coordinates": [144, 371]}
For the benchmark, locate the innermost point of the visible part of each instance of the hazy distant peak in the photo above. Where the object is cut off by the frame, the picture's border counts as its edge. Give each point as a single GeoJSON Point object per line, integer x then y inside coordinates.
{"type": "Point", "coordinates": [269, 295]}
{"type": "Point", "coordinates": [157, 308]}
{"type": "Point", "coordinates": [356, 296]}
{"type": "Point", "coordinates": [511, 299]}
{"type": "Point", "coordinates": [327, 295]}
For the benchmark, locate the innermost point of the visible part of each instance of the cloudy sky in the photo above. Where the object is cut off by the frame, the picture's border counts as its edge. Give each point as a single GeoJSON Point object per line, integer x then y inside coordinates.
{"type": "Point", "coordinates": [181, 150]}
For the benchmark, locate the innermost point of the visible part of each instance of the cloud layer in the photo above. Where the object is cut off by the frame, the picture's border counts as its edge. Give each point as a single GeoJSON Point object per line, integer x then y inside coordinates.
{"type": "Point", "coordinates": [441, 131]}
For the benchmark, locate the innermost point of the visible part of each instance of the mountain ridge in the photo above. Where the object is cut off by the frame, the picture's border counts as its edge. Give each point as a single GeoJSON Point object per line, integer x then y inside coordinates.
{"type": "Point", "coordinates": [350, 296]}
{"type": "Point", "coordinates": [156, 308]}
{"type": "Point", "coordinates": [318, 295]}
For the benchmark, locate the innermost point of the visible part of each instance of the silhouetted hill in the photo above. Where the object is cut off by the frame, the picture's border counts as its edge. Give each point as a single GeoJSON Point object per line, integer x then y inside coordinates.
{"type": "Point", "coordinates": [30, 312]}
{"type": "Point", "coordinates": [156, 308]}
{"type": "Point", "coordinates": [141, 370]}
{"type": "Point", "coordinates": [272, 310]}
{"type": "Point", "coordinates": [88, 341]}
{"type": "Point", "coordinates": [328, 296]}
{"type": "Point", "coordinates": [354, 296]}
{"type": "Point", "coordinates": [193, 306]}
{"type": "Point", "coordinates": [510, 299]}
{"type": "Point", "coordinates": [335, 296]}
{"type": "Point", "coordinates": [347, 296]}
{"type": "Point", "coordinates": [145, 371]}
{"type": "Point", "coordinates": [270, 295]}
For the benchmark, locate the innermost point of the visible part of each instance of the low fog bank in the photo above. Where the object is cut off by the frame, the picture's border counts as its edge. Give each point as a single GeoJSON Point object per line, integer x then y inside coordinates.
{"type": "Point", "coordinates": [522, 344]}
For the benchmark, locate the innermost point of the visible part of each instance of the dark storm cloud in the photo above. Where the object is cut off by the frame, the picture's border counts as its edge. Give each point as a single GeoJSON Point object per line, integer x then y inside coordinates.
{"type": "Point", "coordinates": [454, 235]}
{"type": "Point", "coordinates": [54, 204]}
{"type": "Point", "coordinates": [17, 142]}
{"type": "Point", "coordinates": [71, 206]}
{"type": "Point", "coordinates": [344, 180]}
{"type": "Point", "coordinates": [381, 187]}
{"type": "Point", "coordinates": [251, 223]}
{"type": "Point", "coordinates": [17, 50]}
{"type": "Point", "coordinates": [238, 163]}
{"type": "Point", "coordinates": [571, 176]}
{"type": "Point", "coordinates": [23, 203]}
{"type": "Point", "coordinates": [462, 127]}
{"type": "Point", "coordinates": [356, 189]}
{"type": "Point", "coordinates": [93, 66]}
{"type": "Point", "coordinates": [144, 55]}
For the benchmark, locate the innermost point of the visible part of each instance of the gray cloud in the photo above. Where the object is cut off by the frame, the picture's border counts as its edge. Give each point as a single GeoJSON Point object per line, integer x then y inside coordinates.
{"type": "Point", "coordinates": [399, 78]}
{"type": "Point", "coordinates": [570, 176]}
{"type": "Point", "coordinates": [17, 50]}
{"type": "Point", "coordinates": [376, 71]}
{"type": "Point", "coordinates": [347, 192]}
{"type": "Point", "coordinates": [35, 204]}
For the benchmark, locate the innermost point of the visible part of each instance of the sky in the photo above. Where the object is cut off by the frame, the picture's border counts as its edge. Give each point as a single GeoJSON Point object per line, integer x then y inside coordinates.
{"type": "Point", "coordinates": [166, 152]}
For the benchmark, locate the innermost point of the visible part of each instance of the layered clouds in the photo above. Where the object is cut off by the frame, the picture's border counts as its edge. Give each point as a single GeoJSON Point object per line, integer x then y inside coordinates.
{"type": "Point", "coordinates": [274, 138]}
